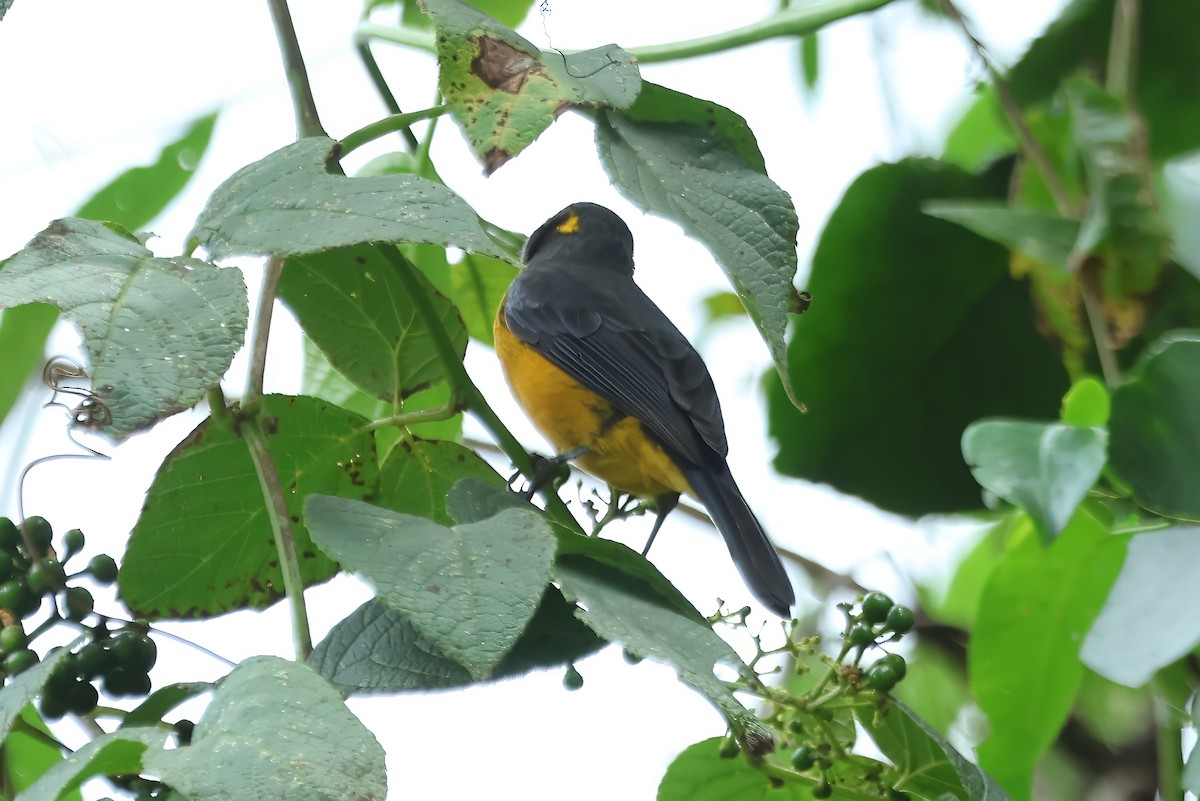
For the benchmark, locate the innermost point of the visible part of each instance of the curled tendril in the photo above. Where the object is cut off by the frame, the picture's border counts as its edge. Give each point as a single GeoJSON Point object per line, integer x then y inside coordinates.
{"type": "Point", "coordinates": [90, 412]}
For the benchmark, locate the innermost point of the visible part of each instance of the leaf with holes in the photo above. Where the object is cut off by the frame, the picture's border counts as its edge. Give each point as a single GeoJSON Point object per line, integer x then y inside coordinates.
{"type": "Point", "coordinates": [160, 333]}
{"type": "Point", "coordinates": [505, 92]}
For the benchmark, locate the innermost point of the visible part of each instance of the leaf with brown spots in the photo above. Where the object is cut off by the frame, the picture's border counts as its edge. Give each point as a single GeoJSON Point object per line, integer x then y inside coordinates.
{"type": "Point", "coordinates": [504, 91]}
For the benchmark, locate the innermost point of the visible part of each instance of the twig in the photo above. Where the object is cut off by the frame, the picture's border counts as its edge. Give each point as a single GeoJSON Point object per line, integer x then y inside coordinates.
{"type": "Point", "coordinates": [396, 122]}
{"type": "Point", "coordinates": [307, 121]}
{"type": "Point", "coordinates": [1122, 51]}
{"type": "Point", "coordinates": [262, 332]}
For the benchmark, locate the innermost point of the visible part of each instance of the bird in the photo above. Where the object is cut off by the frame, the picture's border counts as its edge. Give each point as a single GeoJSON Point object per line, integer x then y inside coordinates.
{"type": "Point", "coordinates": [615, 387]}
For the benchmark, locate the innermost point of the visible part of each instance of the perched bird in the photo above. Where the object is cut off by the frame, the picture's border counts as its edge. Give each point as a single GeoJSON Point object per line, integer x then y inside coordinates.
{"type": "Point", "coordinates": [612, 383]}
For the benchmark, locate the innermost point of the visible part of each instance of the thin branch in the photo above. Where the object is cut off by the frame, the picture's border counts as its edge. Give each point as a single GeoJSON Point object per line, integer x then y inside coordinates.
{"type": "Point", "coordinates": [262, 332]}
{"type": "Point", "coordinates": [396, 122]}
{"type": "Point", "coordinates": [799, 21]}
{"type": "Point", "coordinates": [252, 432]}
{"type": "Point", "coordinates": [307, 121]}
{"type": "Point", "coordinates": [1122, 50]}
{"type": "Point", "coordinates": [409, 37]}
{"type": "Point", "coordinates": [367, 57]}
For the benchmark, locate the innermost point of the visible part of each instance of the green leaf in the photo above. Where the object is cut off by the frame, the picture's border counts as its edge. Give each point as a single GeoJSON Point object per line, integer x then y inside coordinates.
{"type": "Point", "coordinates": [1166, 57]}
{"type": "Point", "coordinates": [22, 689]}
{"type": "Point", "coordinates": [1036, 608]}
{"type": "Point", "coordinates": [160, 332]}
{"type": "Point", "coordinates": [289, 203]}
{"type": "Point", "coordinates": [709, 178]}
{"type": "Point", "coordinates": [1045, 237]}
{"type": "Point", "coordinates": [1133, 638]}
{"type": "Point", "coordinates": [29, 752]}
{"type": "Point", "coordinates": [376, 650]}
{"type": "Point", "coordinates": [1155, 427]}
{"type": "Point", "coordinates": [469, 590]}
{"type": "Point", "coordinates": [939, 335]}
{"type": "Point", "coordinates": [204, 544]}
{"type": "Point", "coordinates": [1046, 469]}
{"type": "Point", "coordinates": [958, 605]}
{"type": "Point", "coordinates": [417, 476]}
{"type": "Point", "coordinates": [275, 729]}
{"type": "Point", "coordinates": [1121, 212]}
{"type": "Point", "coordinates": [981, 135]}
{"type": "Point", "coordinates": [23, 332]}
{"type": "Point", "coordinates": [138, 195]}
{"type": "Point", "coordinates": [479, 284]}
{"type": "Point", "coordinates": [1087, 404]}
{"type": "Point", "coordinates": [356, 308]}
{"type": "Point", "coordinates": [700, 774]}
{"type": "Point", "coordinates": [927, 766]}
{"type": "Point", "coordinates": [504, 91]}
{"type": "Point", "coordinates": [623, 607]}
{"type": "Point", "coordinates": [162, 701]}
{"type": "Point", "coordinates": [116, 753]}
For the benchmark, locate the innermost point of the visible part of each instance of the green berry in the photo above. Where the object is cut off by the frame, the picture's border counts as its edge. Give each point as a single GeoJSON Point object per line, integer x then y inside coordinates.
{"type": "Point", "coordinates": [52, 707]}
{"type": "Point", "coordinates": [134, 651]}
{"type": "Point", "coordinates": [79, 603]}
{"type": "Point", "coordinates": [40, 534]}
{"type": "Point", "coordinates": [860, 635]}
{"type": "Point", "coordinates": [82, 698]}
{"type": "Point", "coordinates": [45, 576]}
{"type": "Point", "coordinates": [796, 726]}
{"type": "Point", "coordinates": [19, 661]}
{"type": "Point", "coordinates": [7, 568]}
{"type": "Point", "coordinates": [900, 620]}
{"type": "Point", "coordinates": [10, 535]}
{"type": "Point", "coordinates": [897, 795]}
{"type": "Point", "coordinates": [12, 638]}
{"type": "Point", "coordinates": [630, 657]}
{"type": "Point", "coordinates": [103, 568]}
{"type": "Point", "coordinates": [183, 729]}
{"type": "Point", "coordinates": [803, 759]}
{"type": "Point", "coordinates": [881, 677]}
{"type": "Point", "coordinates": [95, 659]}
{"type": "Point", "coordinates": [73, 542]}
{"type": "Point", "coordinates": [121, 681]}
{"type": "Point", "coordinates": [16, 598]}
{"type": "Point", "coordinates": [896, 663]}
{"type": "Point", "coordinates": [875, 607]}
{"type": "Point", "coordinates": [822, 790]}
{"type": "Point", "coordinates": [572, 679]}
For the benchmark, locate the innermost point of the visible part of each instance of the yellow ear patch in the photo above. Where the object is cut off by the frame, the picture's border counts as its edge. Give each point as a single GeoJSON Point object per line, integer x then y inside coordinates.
{"type": "Point", "coordinates": [569, 225]}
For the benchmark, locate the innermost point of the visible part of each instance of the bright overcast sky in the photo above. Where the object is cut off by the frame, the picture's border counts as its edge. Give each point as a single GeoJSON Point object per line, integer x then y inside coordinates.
{"type": "Point", "coordinates": [93, 88]}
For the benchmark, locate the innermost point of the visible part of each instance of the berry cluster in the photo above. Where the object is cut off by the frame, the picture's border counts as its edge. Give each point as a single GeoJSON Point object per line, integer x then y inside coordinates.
{"type": "Point", "coordinates": [30, 571]}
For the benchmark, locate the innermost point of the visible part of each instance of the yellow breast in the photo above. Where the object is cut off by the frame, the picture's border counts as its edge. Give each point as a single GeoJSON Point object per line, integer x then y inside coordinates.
{"type": "Point", "coordinates": [572, 416]}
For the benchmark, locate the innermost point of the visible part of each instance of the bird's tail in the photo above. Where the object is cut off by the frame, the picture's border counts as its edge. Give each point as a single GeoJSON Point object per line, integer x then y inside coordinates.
{"type": "Point", "coordinates": [752, 552]}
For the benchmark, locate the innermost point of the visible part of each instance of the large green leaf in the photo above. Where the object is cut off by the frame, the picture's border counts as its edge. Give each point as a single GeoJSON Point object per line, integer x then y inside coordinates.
{"type": "Point", "coordinates": [1132, 639]}
{"type": "Point", "coordinates": [699, 773]}
{"type": "Point", "coordinates": [29, 752]}
{"type": "Point", "coordinates": [1167, 65]}
{"type": "Point", "coordinates": [363, 316]}
{"type": "Point", "coordinates": [504, 91]}
{"type": "Point", "coordinates": [916, 329]}
{"type": "Point", "coordinates": [119, 753]}
{"type": "Point", "coordinates": [469, 590]}
{"type": "Point", "coordinates": [204, 543]}
{"type": "Point", "coordinates": [1155, 427]}
{"type": "Point", "coordinates": [289, 203]}
{"type": "Point", "coordinates": [140, 194]}
{"type": "Point", "coordinates": [160, 332]}
{"type": "Point", "coordinates": [1044, 468]}
{"type": "Point", "coordinates": [1024, 658]}
{"type": "Point", "coordinates": [697, 163]}
{"type": "Point", "coordinates": [275, 729]}
{"type": "Point", "coordinates": [23, 332]}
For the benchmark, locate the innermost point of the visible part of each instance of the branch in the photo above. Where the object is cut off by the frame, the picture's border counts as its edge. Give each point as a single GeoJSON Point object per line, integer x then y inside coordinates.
{"type": "Point", "coordinates": [307, 121]}
{"type": "Point", "coordinates": [363, 48]}
{"type": "Point", "coordinates": [1122, 51]}
{"type": "Point", "coordinates": [800, 21]}
{"type": "Point", "coordinates": [390, 124]}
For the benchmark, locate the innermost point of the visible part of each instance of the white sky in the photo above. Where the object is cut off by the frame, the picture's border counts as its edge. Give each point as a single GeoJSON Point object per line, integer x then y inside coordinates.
{"type": "Point", "coordinates": [93, 88]}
